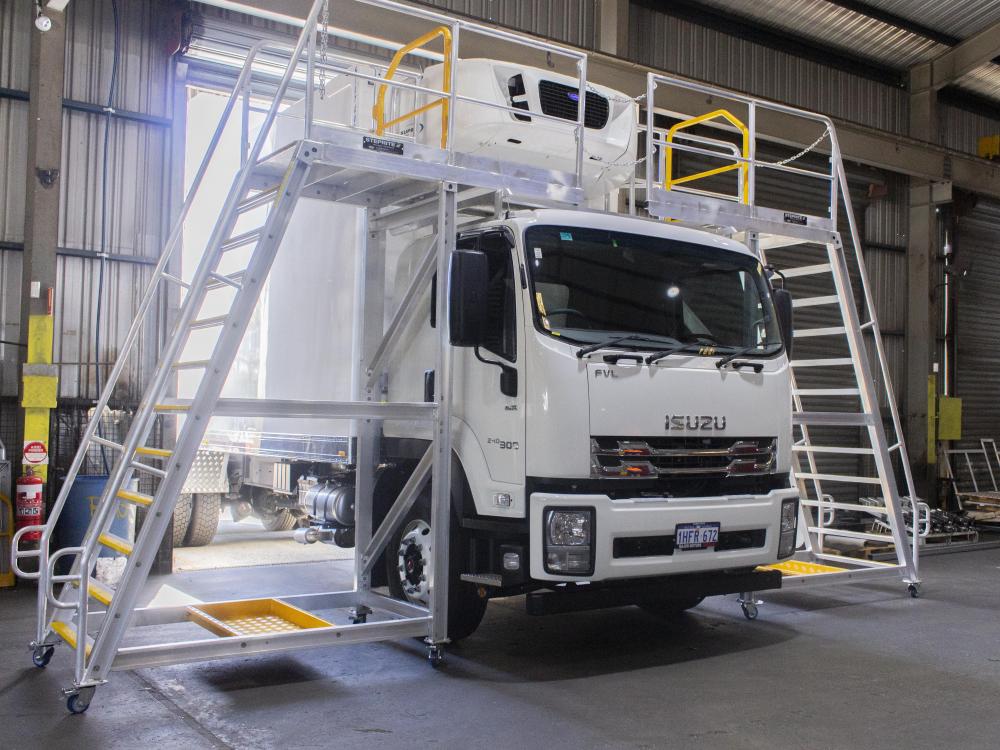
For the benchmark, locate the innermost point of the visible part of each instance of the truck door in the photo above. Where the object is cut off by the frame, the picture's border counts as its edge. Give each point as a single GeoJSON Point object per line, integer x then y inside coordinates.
{"type": "Point", "coordinates": [494, 382]}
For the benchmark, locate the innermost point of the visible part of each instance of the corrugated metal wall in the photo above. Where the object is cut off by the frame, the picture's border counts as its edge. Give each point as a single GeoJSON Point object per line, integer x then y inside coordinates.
{"type": "Point", "coordinates": [138, 177]}
{"type": "Point", "coordinates": [15, 19]}
{"type": "Point", "coordinates": [678, 46]}
{"type": "Point", "coordinates": [961, 130]}
{"type": "Point", "coordinates": [570, 21]}
{"type": "Point", "coordinates": [977, 381]}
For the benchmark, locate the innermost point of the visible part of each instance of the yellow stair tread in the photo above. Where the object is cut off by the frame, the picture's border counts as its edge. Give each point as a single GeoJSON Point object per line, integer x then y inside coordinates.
{"type": "Point", "coordinates": [116, 543]}
{"type": "Point", "coordinates": [158, 452]}
{"type": "Point", "coordinates": [99, 591]}
{"type": "Point", "coordinates": [68, 633]}
{"type": "Point", "coordinates": [136, 497]}
{"type": "Point", "coordinates": [801, 568]}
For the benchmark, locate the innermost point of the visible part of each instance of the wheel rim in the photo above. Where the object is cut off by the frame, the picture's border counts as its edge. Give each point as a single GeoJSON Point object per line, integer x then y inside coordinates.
{"type": "Point", "coordinates": [414, 562]}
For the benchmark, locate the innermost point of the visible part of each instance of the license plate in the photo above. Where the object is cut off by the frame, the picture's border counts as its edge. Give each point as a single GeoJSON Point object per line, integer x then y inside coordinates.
{"type": "Point", "coordinates": [696, 535]}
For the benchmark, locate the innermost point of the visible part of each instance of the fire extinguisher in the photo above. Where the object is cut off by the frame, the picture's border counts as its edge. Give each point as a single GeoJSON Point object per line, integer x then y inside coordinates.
{"type": "Point", "coordinates": [28, 505]}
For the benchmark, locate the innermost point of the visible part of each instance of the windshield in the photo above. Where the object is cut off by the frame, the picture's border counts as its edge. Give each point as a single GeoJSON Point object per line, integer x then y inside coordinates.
{"type": "Point", "coordinates": [592, 285]}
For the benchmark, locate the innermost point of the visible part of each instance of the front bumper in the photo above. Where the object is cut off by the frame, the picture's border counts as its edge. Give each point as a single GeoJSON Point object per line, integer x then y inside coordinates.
{"type": "Point", "coordinates": [656, 517]}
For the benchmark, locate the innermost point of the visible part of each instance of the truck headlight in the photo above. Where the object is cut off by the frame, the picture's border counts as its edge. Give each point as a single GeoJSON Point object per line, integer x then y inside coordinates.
{"type": "Point", "coordinates": [569, 541]}
{"type": "Point", "coordinates": [789, 527]}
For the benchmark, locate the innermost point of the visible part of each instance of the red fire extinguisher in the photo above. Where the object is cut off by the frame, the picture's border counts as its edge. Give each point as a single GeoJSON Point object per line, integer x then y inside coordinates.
{"type": "Point", "coordinates": [28, 505]}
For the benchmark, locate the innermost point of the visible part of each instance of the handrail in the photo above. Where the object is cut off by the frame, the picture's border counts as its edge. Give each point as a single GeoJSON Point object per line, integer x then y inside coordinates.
{"type": "Point", "coordinates": [669, 181]}
{"type": "Point", "coordinates": [378, 111]}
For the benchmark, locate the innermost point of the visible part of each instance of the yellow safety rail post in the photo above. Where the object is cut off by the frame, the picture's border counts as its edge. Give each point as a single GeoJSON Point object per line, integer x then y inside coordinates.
{"type": "Point", "coordinates": [743, 166]}
{"type": "Point", "coordinates": [378, 111]}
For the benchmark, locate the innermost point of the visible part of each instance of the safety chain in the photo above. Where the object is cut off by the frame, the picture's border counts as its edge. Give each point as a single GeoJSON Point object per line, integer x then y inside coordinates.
{"type": "Point", "coordinates": [801, 153]}
{"type": "Point", "coordinates": [324, 37]}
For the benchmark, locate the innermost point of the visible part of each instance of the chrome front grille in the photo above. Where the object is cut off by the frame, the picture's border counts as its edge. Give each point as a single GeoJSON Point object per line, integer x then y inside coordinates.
{"type": "Point", "coordinates": [637, 458]}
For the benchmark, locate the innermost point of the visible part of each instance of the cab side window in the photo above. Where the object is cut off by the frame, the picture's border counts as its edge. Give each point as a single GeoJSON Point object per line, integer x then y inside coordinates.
{"type": "Point", "coordinates": [501, 323]}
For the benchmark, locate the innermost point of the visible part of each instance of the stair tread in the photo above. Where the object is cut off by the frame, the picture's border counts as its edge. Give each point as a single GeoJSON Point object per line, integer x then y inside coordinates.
{"type": "Point", "coordinates": [97, 590]}
{"type": "Point", "coordinates": [116, 543]}
{"type": "Point", "coordinates": [67, 631]}
{"type": "Point", "coordinates": [138, 498]}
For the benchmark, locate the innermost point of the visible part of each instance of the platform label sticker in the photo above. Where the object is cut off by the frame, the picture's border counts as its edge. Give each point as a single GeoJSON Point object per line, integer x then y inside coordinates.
{"type": "Point", "coordinates": [382, 145]}
{"type": "Point", "coordinates": [799, 219]}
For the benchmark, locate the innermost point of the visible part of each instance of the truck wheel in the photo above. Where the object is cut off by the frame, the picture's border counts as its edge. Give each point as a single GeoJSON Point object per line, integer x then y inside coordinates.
{"type": "Point", "coordinates": [181, 520]}
{"type": "Point", "coordinates": [205, 511]}
{"type": "Point", "coordinates": [408, 561]}
{"type": "Point", "coordinates": [281, 520]}
{"type": "Point", "coordinates": [671, 607]}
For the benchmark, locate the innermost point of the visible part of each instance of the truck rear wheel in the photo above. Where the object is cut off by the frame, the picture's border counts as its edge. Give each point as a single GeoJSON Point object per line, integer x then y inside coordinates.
{"type": "Point", "coordinates": [408, 561]}
{"type": "Point", "coordinates": [205, 511]}
{"type": "Point", "coordinates": [281, 520]}
{"type": "Point", "coordinates": [671, 607]}
{"type": "Point", "coordinates": [181, 520]}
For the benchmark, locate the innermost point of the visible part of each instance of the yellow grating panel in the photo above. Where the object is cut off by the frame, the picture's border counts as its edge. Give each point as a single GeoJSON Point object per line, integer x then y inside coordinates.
{"type": "Point", "coordinates": [799, 568]}
{"type": "Point", "coordinates": [253, 617]}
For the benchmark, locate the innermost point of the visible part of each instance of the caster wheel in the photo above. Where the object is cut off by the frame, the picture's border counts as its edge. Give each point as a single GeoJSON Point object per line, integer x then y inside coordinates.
{"type": "Point", "coordinates": [435, 655]}
{"type": "Point", "coordinates": [42, 655]}
{"type": "Point", "coordinates": [914, 589]}
{"type": "Point", "coordinates": [77, 703]}
{"type": "Point", "coordinates": [749, 610]}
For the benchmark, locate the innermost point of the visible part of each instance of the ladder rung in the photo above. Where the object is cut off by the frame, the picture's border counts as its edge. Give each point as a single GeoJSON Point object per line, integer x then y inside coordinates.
{"type": "Point", "coordinates": [830, 504]}
{"type": "Point", "coordinates": [97, 590]}
{"type": "Point", "coordinates": [111, 541]}
{"type": "Point", "coordinates": [831, 449]}
{"type": "Point", "coordinates": [219, 280]}
{"type": "Point", "coordinates": [830, 299]}
{"type": "Point", "coordinates": [895, 447]}
{"type": "Point", "coordinates": [804, 333]}
{"type": "Point", "coordinates": [106, 443]}
{"type": "Point", "coordinates": [140, 466]}
{"type": "Point", "coordinates": [830, 362]}
{"type": "Point", "coordinates": [67, 632]}
{"type": "Point", "coordinates": [193, 364]}
{"type": "Point", "coordinates": [832, 418]}
{"type": "Point", "coordinates": [212, 322]}
{"type": "Point", "coordinates": [866, 326]}
{"type": "Point", "coordinates": [241, 240]}
{"type": "Point", "coordinates": [157, 452]}
{"type": "Point", "coordinates": [139, 498]}
{"type": "Point", "coordinates": [791, 273]}
{"type": "Point", "coordinates": [838, 478]}
{"type": "Point", "coordinates": [169, 407]}
{"type": "Point", "coordinates": [265, 196]}
{"type": "Point", "coordinates": [174, 279]}
{"type": "Point", "coordinates": [826, 391]}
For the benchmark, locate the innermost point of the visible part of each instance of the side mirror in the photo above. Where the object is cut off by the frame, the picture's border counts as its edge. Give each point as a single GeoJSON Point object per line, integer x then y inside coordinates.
{"type": "Point", "coordinates": [468, 282]}
{"type": "Point", "coordinates": [783, 307]}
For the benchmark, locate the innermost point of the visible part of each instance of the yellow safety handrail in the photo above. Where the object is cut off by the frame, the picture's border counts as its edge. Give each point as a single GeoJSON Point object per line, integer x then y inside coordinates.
{"type": "Point", "coordinates": [378, 111]}
{"type": "Point", "coordinates": [744, 166]}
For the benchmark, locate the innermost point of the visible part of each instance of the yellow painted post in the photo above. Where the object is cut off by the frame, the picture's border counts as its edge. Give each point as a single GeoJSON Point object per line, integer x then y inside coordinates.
{"type": "Point", "coordinates": [40, 387]}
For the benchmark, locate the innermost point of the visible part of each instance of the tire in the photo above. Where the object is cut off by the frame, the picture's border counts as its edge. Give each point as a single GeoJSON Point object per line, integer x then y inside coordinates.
{"type": "Point", "coordinates": [281, 520]}
{"type": "Point", "coordinates": [465, 607]}
{"type": "Point", "coordinates": [181, 520]}
{"type": "Point", "coordinates": [205, 511]}
{"type": "Point", "coordinates": [668, 608]}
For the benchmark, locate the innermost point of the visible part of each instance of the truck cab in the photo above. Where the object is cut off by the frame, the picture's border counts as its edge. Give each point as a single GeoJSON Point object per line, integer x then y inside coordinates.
{"type": "Point", "coordinates": [621, 416]}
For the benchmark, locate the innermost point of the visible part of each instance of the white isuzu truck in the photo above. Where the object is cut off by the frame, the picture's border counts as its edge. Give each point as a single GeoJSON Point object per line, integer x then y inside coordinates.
{"type": "Point", "coordinates": [621, 418]}
{"type": "Point", "coordinates": [622, 399]}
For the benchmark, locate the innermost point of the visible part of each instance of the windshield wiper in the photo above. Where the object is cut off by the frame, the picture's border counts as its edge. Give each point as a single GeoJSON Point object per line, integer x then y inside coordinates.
{"type": "Point", "coordinates": [746, 350]}
{"type": "Point", "coordinates": [583, 351]}
{"type": "Point", "coordinates": [664, 353]}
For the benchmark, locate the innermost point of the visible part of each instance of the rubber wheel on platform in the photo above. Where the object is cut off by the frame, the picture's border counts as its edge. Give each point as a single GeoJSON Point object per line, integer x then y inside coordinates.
{"type": "Point", "coordinates": [281, 520]}
{"type": "Point", "coordinates": [671, 607]}
{"type": "Point", "coordinates": [181, 520]}
{"type": "Point", "coordinates": [205, 511]}
{"type": "Point", "coordinates": [407, 565]}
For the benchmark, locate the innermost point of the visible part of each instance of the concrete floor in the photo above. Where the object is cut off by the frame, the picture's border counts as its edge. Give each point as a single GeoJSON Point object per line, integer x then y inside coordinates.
{"type": "Point", "coordinates": [843, 667]}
